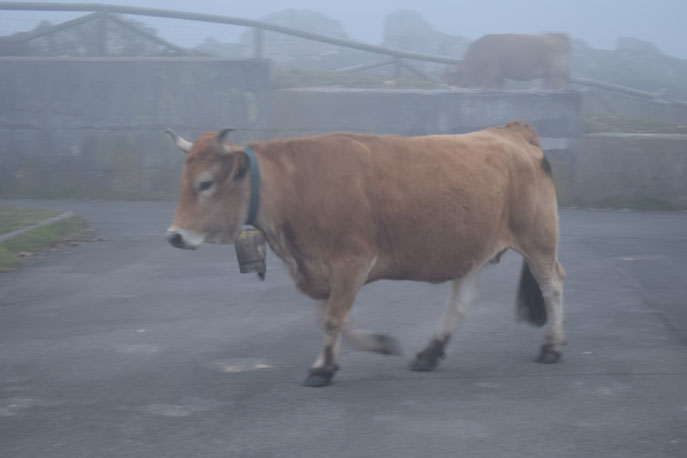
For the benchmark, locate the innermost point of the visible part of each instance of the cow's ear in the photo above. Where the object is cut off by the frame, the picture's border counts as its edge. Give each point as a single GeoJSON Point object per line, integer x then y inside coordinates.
{"type": "Point", "coordinates": [234, 166]}
{"type": "Point", "coordinates": [242, 165]}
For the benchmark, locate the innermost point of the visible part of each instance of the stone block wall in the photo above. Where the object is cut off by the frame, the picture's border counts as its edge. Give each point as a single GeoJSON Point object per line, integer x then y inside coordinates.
{"type": "Point", "coordinates": [93, 128]}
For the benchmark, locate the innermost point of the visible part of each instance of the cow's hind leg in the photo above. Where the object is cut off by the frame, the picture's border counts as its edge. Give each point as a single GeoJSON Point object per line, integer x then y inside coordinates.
{"type": "Point", "coordinates": [541, 280]}
{"type": "Point", "coordinates": [365, 340]}
{"type": "Point", "coordinates": [345, 283]}
{"type": "Point", "coordinates": [463, 294]}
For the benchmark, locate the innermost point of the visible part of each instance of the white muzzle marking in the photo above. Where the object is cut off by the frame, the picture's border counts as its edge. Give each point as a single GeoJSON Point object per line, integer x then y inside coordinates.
{"type": "Point", "coordinates": [183, 238]}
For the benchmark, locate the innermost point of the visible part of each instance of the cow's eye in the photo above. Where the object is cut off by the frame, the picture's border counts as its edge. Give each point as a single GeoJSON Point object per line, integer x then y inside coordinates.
{"type": "Point", "coordinates": [205, 185]}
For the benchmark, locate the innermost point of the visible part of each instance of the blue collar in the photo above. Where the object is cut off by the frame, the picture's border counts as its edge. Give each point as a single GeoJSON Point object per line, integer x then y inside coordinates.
{"type": "Point", "coordinates": [254, 186]}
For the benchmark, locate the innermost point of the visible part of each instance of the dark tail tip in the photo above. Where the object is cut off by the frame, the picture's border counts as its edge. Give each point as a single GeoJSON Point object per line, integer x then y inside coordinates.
{"type": "Point", "coordinates": [546, 166]}
{"type": "Point", "coordinates": [530, 301]}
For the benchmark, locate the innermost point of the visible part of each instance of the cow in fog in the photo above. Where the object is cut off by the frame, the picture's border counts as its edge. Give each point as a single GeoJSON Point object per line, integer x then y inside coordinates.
{"type": "Point", "coordinates": [492, 59]}
{"type": "Point", "coordinates": [342, 210]}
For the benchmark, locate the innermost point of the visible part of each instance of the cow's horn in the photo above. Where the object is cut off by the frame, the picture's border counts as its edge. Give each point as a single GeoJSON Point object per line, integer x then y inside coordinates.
{"type": "Point", "coordinates": [184, 145]}
{"type": "Point", "coordinates": [223, 133]}
{"type": "Point", "coordinates": [220, 138]}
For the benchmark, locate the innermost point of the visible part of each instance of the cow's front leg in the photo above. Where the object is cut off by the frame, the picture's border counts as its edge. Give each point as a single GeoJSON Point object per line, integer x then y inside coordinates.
{"type": "Point", "coordinates": [463, 294]}
{"type": "Point", "coordinates": [325, 366]}
{"type": "Point", "coordinates": [345, 282]}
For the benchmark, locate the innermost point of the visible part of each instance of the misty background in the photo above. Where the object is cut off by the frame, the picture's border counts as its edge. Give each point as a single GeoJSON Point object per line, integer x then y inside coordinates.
{"type": "Point", "coordinates": [130, 347]}
{"type": "Point", "coordinates": [101, 123]}
{"type": "Point", "coordinates": [598, 22]}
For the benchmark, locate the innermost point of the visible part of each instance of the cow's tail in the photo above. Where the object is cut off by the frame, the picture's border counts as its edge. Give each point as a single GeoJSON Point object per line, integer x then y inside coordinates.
{"type": "Point", "coordinates": [530, 301]}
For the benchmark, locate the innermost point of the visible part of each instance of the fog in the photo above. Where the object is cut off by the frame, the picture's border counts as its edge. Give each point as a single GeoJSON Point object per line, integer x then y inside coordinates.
{"type": "Point", "coordinates": [555, 147]}
{"type": "Point", "coordinates": [598, 22]}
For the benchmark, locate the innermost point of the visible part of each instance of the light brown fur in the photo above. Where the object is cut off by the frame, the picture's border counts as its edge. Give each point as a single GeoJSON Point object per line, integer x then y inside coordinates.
{"type": "Point", "coordinates": [347, 209]}
{"type": "Point", "coordinates": [492, 59]}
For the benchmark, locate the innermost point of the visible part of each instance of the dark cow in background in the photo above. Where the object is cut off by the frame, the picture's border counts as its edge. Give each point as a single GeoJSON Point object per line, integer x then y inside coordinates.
{"type": "Point", "coordinates": [343, 209]}
{"type": "Point", "coordinates": [494, 58]}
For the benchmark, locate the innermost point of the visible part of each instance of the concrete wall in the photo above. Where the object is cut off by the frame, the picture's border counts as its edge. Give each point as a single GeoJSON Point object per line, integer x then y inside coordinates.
{"type": "Point", "coordinates": [93, 128]}
{"type": "Point", "coordinates": [555, 114]}
{"type": "Point", "coordinates": [623, 170]}
{"type": "Point", "coordinates": [605, 103]}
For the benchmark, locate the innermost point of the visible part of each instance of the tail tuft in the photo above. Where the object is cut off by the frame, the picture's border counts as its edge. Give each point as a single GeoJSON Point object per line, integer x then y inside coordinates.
{"type": "Point", "coordinates": [530, 301]}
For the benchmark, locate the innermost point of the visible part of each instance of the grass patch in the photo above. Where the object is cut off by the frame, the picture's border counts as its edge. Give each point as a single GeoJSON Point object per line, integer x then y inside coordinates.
{"type": "Point", "coordinates": [624, 124]}
{"type": "Point", "coordinates": [15, 218]}
{"type": "Point", "coordinates": [8, 261]}
{"type": "Point", "coordinates": [12, 251]}
{"type": "Point", "coordinates": [622, 202]}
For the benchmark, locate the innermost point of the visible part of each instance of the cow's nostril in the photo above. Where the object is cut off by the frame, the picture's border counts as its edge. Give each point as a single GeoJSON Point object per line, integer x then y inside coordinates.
{"type": "Point", "coordinates": [175, 239]}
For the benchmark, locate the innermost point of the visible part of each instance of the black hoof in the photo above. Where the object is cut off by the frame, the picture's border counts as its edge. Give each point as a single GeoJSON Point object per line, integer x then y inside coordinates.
{"type": "Point", "coordinates": [549, 356]}
{"type": "Point", "coordinates": [388, 345]}
{"type": "Point", "coordinates": [318, 378]}
{"type": "Point", "coordinates": [428, 359]}
{"type": "Point", "coordinates": [423, 364]}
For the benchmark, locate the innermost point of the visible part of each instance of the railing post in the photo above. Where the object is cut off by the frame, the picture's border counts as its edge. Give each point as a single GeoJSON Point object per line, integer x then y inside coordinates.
{"type": "Point", "coordinates": [257, 42]}
{"type": "Point", "coordinates": [102, 34]}
{"type": "Point", "coordinates": [398, 64]}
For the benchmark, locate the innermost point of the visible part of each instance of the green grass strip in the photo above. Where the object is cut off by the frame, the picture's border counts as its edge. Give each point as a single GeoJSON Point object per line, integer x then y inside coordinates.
{"type": "Point", "coordinates": [15, 218]}
{"type": "Point", "coordinates": [37, 239]}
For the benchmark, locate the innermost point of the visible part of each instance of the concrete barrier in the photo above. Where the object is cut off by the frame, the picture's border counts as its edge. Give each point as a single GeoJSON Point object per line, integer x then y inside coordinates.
{"type": "Point", "coordinates": [92, 128]}
{"type": "Point", "coordinates": [623, 170]}
{"type": "Point", "coordinates": [555, 114]}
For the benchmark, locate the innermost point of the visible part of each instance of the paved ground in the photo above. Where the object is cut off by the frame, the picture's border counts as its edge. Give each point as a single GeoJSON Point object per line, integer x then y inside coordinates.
{"type": "Point", "coordinates": [130, 348]}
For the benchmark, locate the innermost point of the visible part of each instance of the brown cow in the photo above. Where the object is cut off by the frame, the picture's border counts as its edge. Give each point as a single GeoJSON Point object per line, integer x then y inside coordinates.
{"type": "Point", "coordinates": [492, 59]}
{"type": "Point", "coordinates": [342, 210]}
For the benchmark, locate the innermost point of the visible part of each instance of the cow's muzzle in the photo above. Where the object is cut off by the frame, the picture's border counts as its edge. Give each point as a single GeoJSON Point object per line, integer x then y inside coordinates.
{"type": "Point", "coordinates": [185, 240]}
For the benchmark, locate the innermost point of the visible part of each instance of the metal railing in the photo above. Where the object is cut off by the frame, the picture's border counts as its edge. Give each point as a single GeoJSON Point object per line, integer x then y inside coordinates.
{"type": "Point", "coordinates": [394, 57]}
{"type": "Point", "coordinates": [258, 27]}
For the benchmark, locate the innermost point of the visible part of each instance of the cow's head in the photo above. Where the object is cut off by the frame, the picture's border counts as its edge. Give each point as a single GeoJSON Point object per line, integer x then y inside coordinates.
{"type": "Point", "coordinates": [215, 192]}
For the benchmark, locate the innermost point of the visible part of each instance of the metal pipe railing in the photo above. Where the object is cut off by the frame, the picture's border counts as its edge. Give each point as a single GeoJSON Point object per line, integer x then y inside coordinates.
{"type": "Point", "coordinates": [217, 19]}
{"type": "Point", "coordinates": [259, 27]}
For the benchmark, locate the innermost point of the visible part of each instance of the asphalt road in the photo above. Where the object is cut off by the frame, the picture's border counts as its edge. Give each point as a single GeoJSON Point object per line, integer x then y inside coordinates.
{"type": "Point", "coordinates": [130, 348]}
